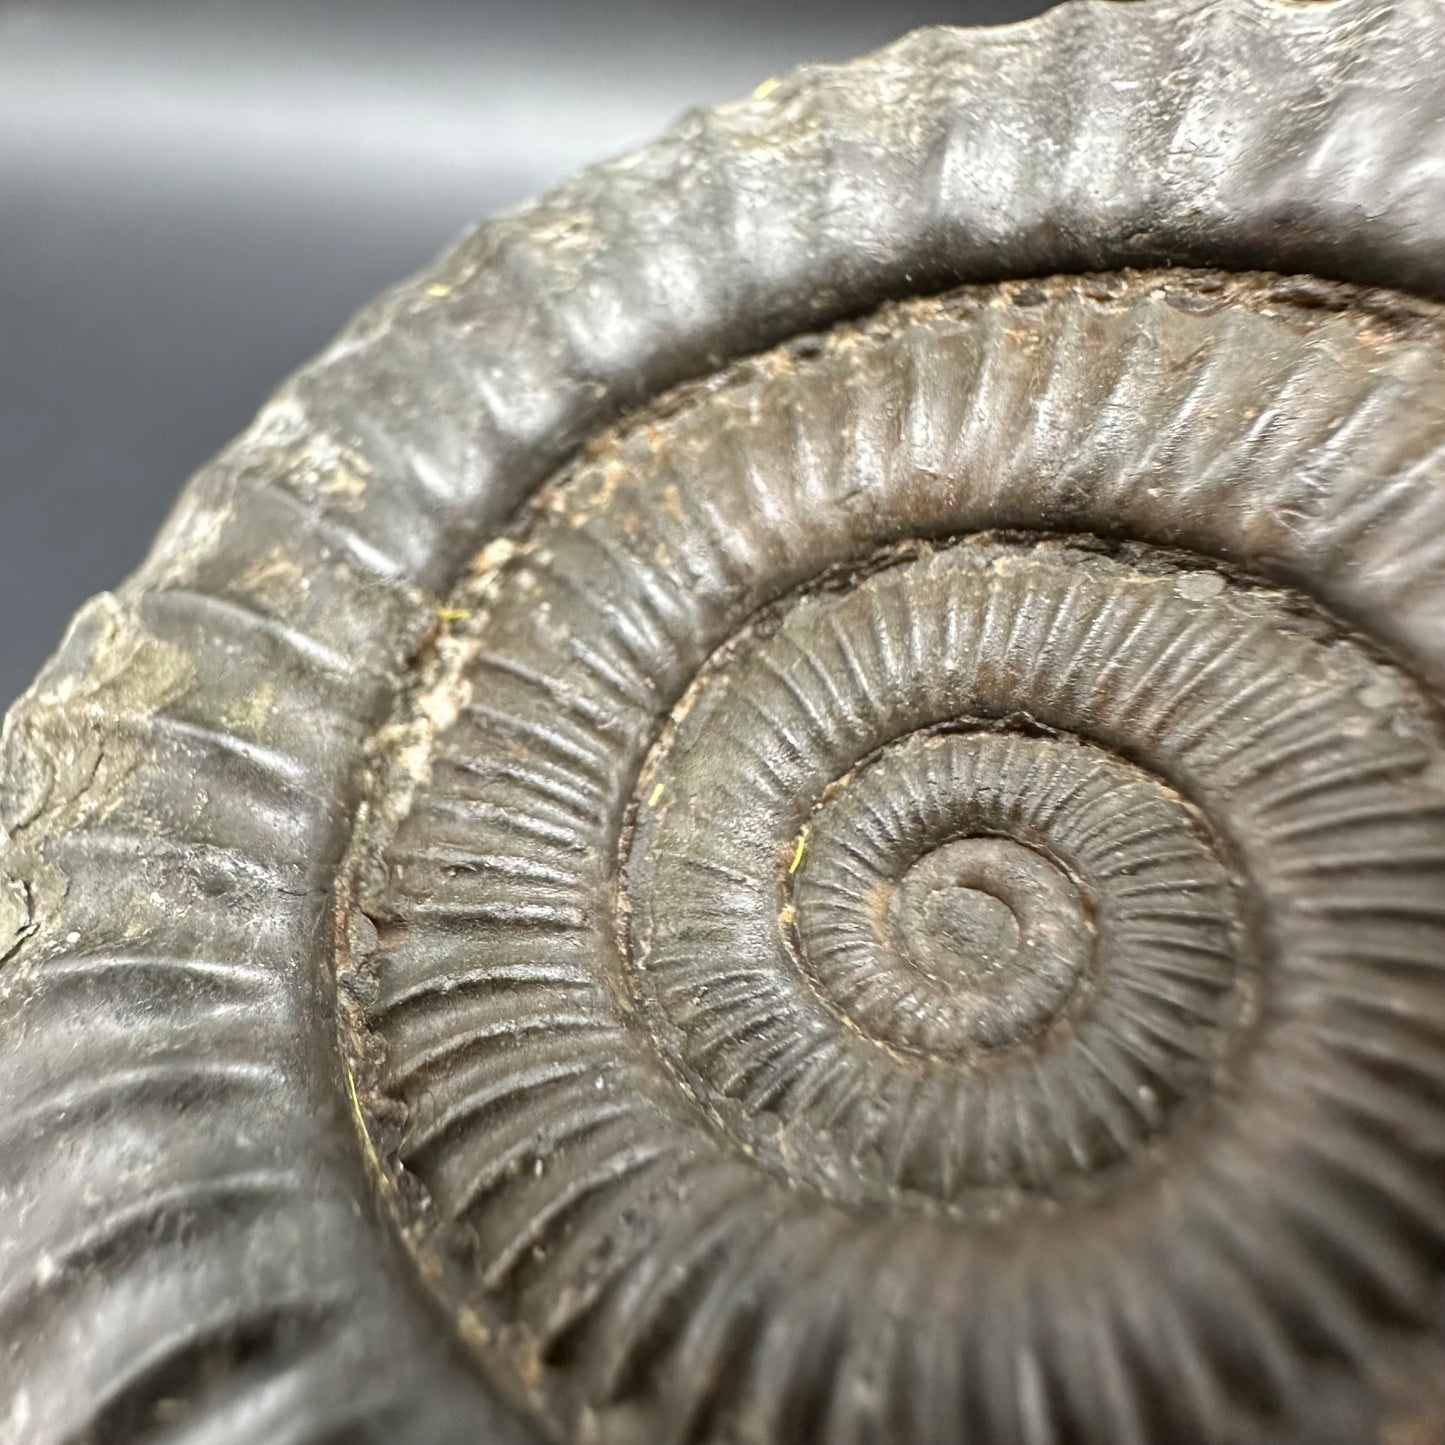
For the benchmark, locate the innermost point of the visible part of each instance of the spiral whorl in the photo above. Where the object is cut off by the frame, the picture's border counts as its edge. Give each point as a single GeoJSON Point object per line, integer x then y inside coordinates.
{"type": "Point", "coordinates": [776, 1000]}
{"type": "Point", "coordinates": [677, 847]}
{"type": "Point", "coordinates": [905, 930]}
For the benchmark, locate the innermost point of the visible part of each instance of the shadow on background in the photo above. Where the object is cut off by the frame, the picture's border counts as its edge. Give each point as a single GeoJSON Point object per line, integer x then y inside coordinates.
{"type": "Point", "coordinates": [194, 197]}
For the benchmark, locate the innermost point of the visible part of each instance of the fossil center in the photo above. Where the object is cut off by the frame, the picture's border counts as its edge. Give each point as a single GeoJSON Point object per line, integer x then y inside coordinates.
{"type": "Point", "coordinates": [985, 916]}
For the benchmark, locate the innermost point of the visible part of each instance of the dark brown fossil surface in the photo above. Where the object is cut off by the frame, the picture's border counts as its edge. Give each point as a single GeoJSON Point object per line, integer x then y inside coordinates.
{"type": "Point", "coordinates": [801, 797]}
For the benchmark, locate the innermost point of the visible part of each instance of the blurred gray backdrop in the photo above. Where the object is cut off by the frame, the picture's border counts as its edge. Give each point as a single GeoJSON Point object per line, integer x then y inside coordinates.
{"type": "Point", "coordinates": [194, 197]}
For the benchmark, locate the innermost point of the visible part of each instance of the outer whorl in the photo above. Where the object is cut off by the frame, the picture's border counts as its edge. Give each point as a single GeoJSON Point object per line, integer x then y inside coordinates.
{"type": "Point", "coordinates": [724, 827]}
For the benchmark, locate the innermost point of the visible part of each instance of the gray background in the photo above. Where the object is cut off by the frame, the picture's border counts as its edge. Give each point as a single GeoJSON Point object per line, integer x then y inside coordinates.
{"type": "Point", "coordinates": [194, 197]}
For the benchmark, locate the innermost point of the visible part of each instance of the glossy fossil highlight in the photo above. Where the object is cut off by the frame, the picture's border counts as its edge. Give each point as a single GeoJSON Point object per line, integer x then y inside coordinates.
{"type": "Point", "coordinates": [196, 1250]}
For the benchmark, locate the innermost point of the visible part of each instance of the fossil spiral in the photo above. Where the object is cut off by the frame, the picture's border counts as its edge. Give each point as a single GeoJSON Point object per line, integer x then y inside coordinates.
{"type": "Point", "coordinates": [788, 840]}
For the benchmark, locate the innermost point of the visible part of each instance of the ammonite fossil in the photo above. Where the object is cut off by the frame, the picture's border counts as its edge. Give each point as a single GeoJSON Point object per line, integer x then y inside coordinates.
{"type": "Point", "coordinates": [799, 798]}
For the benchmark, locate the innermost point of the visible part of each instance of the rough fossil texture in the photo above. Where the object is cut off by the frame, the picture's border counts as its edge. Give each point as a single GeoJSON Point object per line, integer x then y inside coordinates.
{"type": "Point", "coordinates": [800, 797]}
